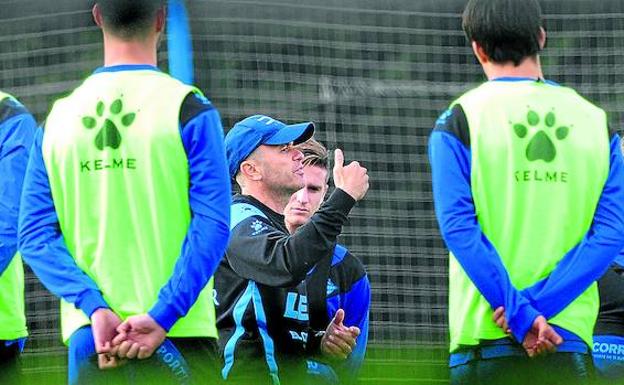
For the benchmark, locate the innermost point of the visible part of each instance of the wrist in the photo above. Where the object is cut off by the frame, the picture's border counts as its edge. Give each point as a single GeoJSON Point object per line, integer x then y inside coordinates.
{"type": "Point", "coordinates": [163, 316]}
{"type": "Point", "coordinates": [522, 321]}
{"type": "Point", "coordinates": [91, 301]}
{"type": "Point", "coordinates": [315, 342]}
{"type": "Point", "coordinates": [347, 191]}
{"type": "Point", "coordinates": [98, 311]}
{"type": "Point", "coordinates": [342, 200]}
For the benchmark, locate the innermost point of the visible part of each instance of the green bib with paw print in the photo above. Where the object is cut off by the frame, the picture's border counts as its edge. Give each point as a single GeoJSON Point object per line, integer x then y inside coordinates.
{"type": "Point", "coordinates": [12, 316]}
{"type": "Point", "coordinates": [539, 162]}
{"type": "Point", "coordinates": [119, 177]}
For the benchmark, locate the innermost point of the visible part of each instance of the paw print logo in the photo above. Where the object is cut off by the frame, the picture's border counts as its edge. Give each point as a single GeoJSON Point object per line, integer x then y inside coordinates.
{"type": "Point", "coordinates": [258, 227]}
{"type": "Point", "coordinates": [109, 135]}
{"type": "Point", "coordinates": [541, 145]}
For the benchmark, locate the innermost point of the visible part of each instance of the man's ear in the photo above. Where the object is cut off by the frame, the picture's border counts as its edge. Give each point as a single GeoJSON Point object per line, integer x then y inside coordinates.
{"type": "Point", "coordinates": [161, 18]}
{"type": "Point", "coordinates": [97, 15]}
{"type": "Point", "coordinates": [542, 38]}
{"type": "Point", "coordinates": [250, 170]}
{"type": "Point", "coordinates": [480, 53]}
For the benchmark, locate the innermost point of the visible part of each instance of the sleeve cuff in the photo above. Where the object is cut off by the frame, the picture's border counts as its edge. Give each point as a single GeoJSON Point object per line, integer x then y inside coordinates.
{"type": "Point", "coordinates": [521, 322]}
{"type": "Point", "coordinates": [164, 315]}
{"type": "Point", "coordinates": [342, 201]}
{"type": "Point", "coordinates": [90, 301]}
{"type": "Point", "coordinates": [313, 344]}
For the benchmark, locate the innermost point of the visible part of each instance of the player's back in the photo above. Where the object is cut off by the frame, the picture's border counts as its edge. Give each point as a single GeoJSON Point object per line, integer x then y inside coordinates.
{"type": "Point", "coordinates": [540, 157]}
{"type": "Point", "coordinates": [119, 178]}
{"type": "Point", "coordinates": [539, 161]}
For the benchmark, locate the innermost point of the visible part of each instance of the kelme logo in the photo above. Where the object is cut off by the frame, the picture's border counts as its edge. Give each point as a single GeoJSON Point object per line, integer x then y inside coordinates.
{"type": "Point", "coordinates": [111, 118]}
{"type": "Point", "coordinates": [541, 145]}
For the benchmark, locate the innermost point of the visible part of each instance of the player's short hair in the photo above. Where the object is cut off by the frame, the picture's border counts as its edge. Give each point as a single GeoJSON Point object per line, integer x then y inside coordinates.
{"type": "Point", "coordinates": [314, 154]}
{"type": "Point", "coordinates": [508, 30]}
{"type": "Point", "coordinates": [129, 18]}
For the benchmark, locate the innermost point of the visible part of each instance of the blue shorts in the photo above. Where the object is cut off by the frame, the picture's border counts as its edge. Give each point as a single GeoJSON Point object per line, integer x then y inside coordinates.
{"type": "Point", "coordinates": [608, 354]}
{"type": "Point", "coordinates": [508, 364]}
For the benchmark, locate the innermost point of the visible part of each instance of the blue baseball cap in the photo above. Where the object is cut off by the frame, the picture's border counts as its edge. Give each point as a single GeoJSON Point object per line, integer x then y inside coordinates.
{"type": "Point", "coordinates": [251, 132]}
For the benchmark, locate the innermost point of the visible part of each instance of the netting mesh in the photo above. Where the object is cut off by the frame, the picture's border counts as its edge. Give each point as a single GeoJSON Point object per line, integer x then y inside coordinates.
{"type": "Point", "coordinates": [373, 75]}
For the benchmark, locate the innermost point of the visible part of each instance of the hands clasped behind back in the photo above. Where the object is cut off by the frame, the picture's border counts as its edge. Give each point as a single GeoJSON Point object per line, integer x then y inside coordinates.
{"type": "Point", "coordinates": [115, 341]}
{"type": "Point", "coordinates": [139, 337]}
{"type": "Point", "coordinates": [540, 339]}
{"type": "Point", "coordinates": [104, 323]}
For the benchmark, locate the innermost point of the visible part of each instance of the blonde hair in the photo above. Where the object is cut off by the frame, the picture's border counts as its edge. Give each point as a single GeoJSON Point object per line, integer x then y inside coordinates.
{"type": "Point", "coordinates": [314, 154]}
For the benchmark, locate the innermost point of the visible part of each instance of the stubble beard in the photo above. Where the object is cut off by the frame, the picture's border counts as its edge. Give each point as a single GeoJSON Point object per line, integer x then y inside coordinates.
{"type": "Point", "coordinates": [281, 192]}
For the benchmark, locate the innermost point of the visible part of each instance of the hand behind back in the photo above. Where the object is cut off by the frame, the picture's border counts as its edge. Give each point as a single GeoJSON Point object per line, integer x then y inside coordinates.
{"type": "Point", "coordinates": [139, 336]}
{"type": "Point", "coordinates": [540, 339]}
{"type": "Point", "coordinates": [104, 323]}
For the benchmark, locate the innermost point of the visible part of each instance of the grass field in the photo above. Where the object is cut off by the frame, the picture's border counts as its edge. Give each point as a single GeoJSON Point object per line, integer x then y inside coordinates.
{"type": "Point", "coordinates": [405, 365]}
{"type": "Point", "coordinates": [383, 365]}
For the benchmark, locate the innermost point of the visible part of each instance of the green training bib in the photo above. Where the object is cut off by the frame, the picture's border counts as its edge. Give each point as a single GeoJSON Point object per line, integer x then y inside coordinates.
{"type": "Point", "coordinates": [540, 159]}
{"type": "Point", "coordinates": [120, 182]}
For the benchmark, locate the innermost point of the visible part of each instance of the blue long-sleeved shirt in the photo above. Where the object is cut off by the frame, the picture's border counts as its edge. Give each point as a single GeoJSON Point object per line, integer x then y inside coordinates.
{"type": "Point", "coordinates": [348, 288]}
{"type": "Point", "coordinates": [17, 129]}
{"type": "Point", "coordinates": [44, 249]}
{"type": "Point", "coordinates": [356, 304]}
{"type": "Point", "coordinates": [450, 171]}
{"type": "Point", "coordinates": [450, 162]}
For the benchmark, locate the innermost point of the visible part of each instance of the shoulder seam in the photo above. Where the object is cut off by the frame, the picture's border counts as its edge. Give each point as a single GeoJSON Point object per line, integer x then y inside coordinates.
{"type": "Point", "coordinates": [192, 106]}
{"type": "Point", "coordinates": [454, 122]}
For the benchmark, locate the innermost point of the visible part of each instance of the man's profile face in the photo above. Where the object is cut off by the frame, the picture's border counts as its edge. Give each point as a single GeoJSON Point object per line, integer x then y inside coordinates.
{"type": "Point", "coordinates": [305, 202]}
{"type": "Point", "coordinates": [281, 167]}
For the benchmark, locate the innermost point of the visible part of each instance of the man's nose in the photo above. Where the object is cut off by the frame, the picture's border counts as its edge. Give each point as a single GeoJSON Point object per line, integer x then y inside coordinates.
{"type": "Point", "coordinates": [302, 195]}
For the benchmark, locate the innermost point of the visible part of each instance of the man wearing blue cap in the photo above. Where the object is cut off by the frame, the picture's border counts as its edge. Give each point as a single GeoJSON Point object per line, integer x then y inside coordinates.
{"type": "Point", "coordinates": [264, 332]}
